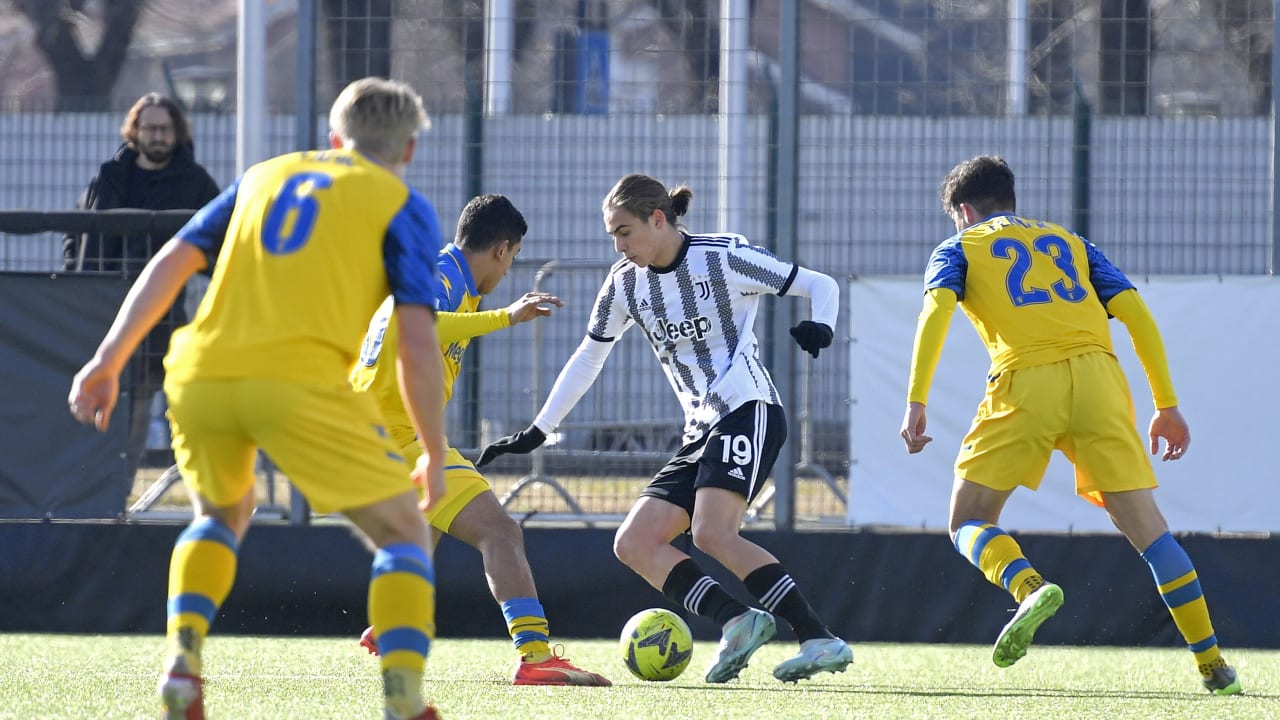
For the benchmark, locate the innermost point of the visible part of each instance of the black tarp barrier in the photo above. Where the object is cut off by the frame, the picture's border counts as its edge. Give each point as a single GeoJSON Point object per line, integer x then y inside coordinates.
{"type": "Point", "coordinates": [116, 221]}
{"type": "Point", "coordinates": [871, 586]}
{"type": "Point", "coordinates": [51, 466]}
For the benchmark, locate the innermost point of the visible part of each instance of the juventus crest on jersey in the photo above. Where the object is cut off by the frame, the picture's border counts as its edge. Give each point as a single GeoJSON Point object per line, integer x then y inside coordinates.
{"type": "Point", "coordinates": [698, 315]}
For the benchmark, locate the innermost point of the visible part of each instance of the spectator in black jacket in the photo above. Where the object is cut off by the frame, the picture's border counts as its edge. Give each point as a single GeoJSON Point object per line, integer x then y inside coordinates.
{"type": "Point", "coordinates": [154, 169]}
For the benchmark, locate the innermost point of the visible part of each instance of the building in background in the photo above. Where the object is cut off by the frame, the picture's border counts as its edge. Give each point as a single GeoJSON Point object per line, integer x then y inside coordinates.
{"type": "Point", "coordinates": [881, 57]}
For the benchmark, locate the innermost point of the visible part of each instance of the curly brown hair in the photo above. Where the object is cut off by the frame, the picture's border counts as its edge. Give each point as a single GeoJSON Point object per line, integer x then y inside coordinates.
{"type": "Point", "coordinates": [985, 182]}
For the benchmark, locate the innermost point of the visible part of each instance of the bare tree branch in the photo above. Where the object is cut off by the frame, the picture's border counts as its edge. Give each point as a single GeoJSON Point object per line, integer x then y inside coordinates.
{"type": "Point", "coordinates": [81, 75]}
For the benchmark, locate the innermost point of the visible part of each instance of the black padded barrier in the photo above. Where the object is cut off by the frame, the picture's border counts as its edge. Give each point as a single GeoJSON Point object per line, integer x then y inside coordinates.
{"type": "Point", "coordinates": [884, 586]}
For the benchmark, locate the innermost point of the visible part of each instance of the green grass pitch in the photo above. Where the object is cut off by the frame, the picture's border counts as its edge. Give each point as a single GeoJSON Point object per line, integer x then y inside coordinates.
{"type": "Point", "coordinates": [66, 676]}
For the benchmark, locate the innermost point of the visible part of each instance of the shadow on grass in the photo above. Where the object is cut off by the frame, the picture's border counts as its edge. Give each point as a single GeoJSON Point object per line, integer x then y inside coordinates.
{"type": "Point", "coordinates": [894, 690]}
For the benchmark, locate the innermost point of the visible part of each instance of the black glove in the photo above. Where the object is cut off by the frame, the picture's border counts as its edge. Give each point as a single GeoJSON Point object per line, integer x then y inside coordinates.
{"type": "Point", "coordinates": [525, 441]}
{"type": "Point", "coordinates": [811, 336]}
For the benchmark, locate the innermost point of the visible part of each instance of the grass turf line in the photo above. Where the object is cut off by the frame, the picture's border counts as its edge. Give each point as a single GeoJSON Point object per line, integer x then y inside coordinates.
{"type": "Point", "coordinates": [250, 678]}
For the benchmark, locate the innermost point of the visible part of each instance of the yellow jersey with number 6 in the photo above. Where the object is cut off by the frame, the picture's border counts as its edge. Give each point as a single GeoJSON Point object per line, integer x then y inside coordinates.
{"type": "Point", "coordinates": [307, 246]}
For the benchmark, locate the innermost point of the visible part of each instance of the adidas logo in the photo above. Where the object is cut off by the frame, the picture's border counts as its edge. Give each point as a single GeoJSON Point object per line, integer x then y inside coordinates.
{"type": "Point", "coordinates": [737, 473]}
{"type": "Point", "coordinates": [644, 304]}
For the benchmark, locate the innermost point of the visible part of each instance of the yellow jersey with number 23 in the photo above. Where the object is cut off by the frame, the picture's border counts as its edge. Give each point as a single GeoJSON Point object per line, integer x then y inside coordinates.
{"type": "Point", "coordinates": [1035, 291]}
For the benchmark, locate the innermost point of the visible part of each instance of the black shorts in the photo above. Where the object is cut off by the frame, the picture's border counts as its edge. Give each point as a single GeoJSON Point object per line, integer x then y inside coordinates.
{"type": "Point", "coordinates": [736, 454]}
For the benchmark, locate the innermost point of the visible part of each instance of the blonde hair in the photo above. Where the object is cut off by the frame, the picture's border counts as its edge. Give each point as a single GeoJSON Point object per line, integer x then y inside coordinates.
{"type": "Point", "coordinates": [378, 116]}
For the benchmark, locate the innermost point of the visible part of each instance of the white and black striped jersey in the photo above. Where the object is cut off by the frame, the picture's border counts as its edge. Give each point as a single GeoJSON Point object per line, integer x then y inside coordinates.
{"type": "Point", "coordinates": [698, 315]}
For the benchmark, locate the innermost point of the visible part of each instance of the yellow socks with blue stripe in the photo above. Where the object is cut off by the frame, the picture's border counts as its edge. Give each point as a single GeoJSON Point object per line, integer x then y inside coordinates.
{"type": "Point", "coordinates": [527, 624]}
{"type": "Point", "coordinates": [402, 597]}
{"type": "Point", "coordinates": [998, 556]}
{"type": "Point", "coordinates": [201, 572]}
{"type": "Point", "coordinates": [1179, 587]}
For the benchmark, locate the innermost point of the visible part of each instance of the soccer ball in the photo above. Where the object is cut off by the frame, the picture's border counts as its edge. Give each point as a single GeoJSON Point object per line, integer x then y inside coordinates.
{"type": "Point", "coordinates": [656, 645]}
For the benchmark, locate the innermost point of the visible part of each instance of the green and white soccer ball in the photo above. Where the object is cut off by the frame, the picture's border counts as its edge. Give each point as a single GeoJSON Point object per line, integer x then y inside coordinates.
{"type": "Point", "coordinates": [656, 645]}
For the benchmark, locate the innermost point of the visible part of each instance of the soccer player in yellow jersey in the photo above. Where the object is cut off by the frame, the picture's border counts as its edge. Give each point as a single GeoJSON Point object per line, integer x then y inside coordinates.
{"type": "Point", "coordinates": [490, 234]}
{"type": "Point", "coordinates": [305, 247]}
{"type": "Point", "coordinates": [1039, 297]}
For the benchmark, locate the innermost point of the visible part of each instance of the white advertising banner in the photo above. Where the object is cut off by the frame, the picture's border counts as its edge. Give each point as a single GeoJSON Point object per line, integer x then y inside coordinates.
{"type": "Point", "coordinates": [1222, 336]}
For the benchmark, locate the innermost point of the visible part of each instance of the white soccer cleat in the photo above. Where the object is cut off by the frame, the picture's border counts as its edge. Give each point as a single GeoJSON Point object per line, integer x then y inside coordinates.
{"type": "Point", "coordinates": [816, 655]}
{"type": "Point", "coordinates": [742, 636]}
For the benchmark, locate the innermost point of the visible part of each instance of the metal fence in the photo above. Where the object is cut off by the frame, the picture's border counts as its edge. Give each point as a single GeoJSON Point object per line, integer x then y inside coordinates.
{"type": "Point", "coordinates": [1146, 124]}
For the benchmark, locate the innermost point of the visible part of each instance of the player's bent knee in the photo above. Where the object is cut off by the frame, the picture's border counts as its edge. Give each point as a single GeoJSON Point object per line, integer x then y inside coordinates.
{"type": "Point", "coordinates": [395, 520]}
{"type": "Point", "coordinates": [504, 530]}
{"type": "Point", "coordinates": [712, 540]}
{"type": "Point", "coordinates": [629, 547]}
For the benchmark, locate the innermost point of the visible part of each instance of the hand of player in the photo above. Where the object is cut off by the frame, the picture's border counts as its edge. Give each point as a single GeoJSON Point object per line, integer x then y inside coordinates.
{"type": "Point", "coordinates": [532, 305]}
{"type": "Point", "coordinates": [94, 391]}
{"type": "Point", "coordinates": [1170, 425]}
{"type": "Point", "coordinates": [913, 425]}
{"type": "Point", "coordinates": [429, 476]}
{"type": "Point", "coordinates": [525, 441]}
{"type": "Point", "coordinates": [811, 336]}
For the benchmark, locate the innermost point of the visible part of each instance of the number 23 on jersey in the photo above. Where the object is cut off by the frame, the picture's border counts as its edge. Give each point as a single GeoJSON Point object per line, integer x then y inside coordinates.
{"type": "Point", "coordinates": [1021, 293]}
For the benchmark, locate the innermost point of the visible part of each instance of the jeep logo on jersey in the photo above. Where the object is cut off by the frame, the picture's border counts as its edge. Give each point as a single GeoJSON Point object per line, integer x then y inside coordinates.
{"type": "Point", "coordinates": [454, 352]}
{"type": "Point", "coordinates": [696, 328]}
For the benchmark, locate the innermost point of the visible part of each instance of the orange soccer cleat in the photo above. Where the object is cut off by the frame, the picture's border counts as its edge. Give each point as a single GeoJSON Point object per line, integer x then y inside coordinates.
{"type": "Point", "coordinates": [556, 670]}
{"type": "Point", "coordinates": [182, 696]}
{"type": "Point", "coordinates": [368, 641]}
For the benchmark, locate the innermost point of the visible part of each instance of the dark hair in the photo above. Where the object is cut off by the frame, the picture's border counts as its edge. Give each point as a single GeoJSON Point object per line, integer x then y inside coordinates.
{"type": "Point", "coordinates": [985, 182]}
{"type": "Point", "coordinates": [488, 220]}
{"type": "Point", "coordinates": [181, 128]}
{"type": "Point", "coordinates": [640, 195]}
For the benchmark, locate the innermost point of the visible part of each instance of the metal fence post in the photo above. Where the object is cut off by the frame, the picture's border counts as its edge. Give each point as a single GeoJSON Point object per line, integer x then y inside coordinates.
{"type": "Point", "coordinates": [537, 472]}
{"type": "Point", "coordinates": [1081, 145]}
{"type": "Point", "coordinates": [786, 245]}
{"type": "Point", "coordinates": [1274, 250]}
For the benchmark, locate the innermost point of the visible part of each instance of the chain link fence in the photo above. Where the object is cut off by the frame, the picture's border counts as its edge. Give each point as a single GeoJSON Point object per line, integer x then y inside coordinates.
{"type": "Point", "coordinates": [1146, 125]}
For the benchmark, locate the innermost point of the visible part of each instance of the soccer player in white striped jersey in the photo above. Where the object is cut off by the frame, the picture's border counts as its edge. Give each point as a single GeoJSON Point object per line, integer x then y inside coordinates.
{"type": "Point", "coordinates": [695, 298]}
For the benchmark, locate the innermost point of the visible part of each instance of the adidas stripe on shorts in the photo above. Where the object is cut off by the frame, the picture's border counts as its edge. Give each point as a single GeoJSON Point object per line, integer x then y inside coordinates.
{"type": "Point", "coordinates": [736, 454]}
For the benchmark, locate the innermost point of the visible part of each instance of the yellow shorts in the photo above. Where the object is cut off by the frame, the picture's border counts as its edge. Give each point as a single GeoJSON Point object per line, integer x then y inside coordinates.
{"type": "Point", "coordinates": [329, 441]}
{"type": "Point", "coordinates": [462, 481]}
{"type": "Point", "coordinates": [1080, 406]}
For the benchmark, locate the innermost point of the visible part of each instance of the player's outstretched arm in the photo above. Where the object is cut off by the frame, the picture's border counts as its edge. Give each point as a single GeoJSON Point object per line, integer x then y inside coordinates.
{"type": "Point", "coordinates": [456, 326]}
{"type": "Point", "coordinates": [1167, 422]}
{"type": "Point", "coordinates": [522, 443]}
{"type": "Point", "coordinates": [575, 378]}
{"type": "Point", "coordinates": [421, 372]}
{"type": "Point", "coordinates": [96, 386]}
{"type": "Point", "coordinates": [1129, 309]}
{"type": "Point", "coordinates": [931, 335]}
{"type": "Point", "coordinates": [533, 305]}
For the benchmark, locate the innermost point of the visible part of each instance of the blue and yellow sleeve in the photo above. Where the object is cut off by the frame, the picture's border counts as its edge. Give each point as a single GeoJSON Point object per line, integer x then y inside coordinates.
{"type": "Point", "coordinates": [1107, 279]}
{"type": "Point", "coordinates": [948, 267]}
{"type": "Point", "coordinates": [409, 252]}
{"type": "Point", "coordinates": [207, 229]}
